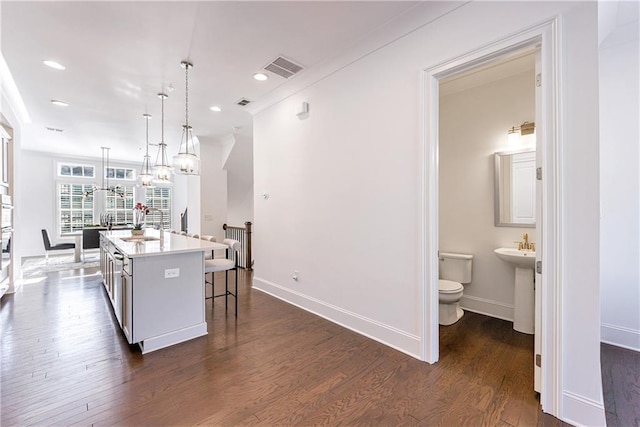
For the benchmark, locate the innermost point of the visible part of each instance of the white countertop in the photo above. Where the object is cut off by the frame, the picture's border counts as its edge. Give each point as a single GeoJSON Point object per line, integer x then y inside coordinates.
{"type": "Point", "coordinates": [173, 243]}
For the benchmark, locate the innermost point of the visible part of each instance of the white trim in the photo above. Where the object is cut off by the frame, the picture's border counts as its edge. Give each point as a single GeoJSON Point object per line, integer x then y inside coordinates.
{"type": "Point", "coordinates": [487, 307]}
{"type": "Point", "coordinates": [620, 336]}
{"type": "Point", "coordinates": [11, 92]}
{"type": "Point", "coordinates": [71, 165]}
{"type": "Point", "coordinates": [546, 35]}
{"type": "Point", "coordinates": [587, 408]}
{"type": "Point", "coordinates": [377, 331]}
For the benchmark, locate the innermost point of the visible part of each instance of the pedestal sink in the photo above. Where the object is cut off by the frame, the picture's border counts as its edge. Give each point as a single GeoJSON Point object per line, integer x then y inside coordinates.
{"type": "Point", "coordinates": [524, 298]}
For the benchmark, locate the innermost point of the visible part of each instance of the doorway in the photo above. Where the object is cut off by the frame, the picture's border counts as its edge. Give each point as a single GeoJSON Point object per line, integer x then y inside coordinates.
{"type": "Point", "coordinates": [542, 38]}
{"type": "Point", "coordinates": [487, 189]}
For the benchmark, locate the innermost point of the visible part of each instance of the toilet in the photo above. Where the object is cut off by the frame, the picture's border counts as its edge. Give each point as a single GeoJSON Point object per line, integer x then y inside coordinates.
{"type": "Point", "coordinates": [455, 270]}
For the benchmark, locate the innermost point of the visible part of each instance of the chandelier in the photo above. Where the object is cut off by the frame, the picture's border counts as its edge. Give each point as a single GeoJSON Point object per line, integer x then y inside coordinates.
{"type": "Point", "coordinates": [162, 170]}
{"type": "Point", "coordinates": [186, 161]}
{"type": "Point", "coordinates": [115, 190]}
{"type": "Point", "coordinates": [145, 178]}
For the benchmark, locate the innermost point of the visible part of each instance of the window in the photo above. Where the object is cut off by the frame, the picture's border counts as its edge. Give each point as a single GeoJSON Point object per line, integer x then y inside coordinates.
{"type": "Point", "coordinates": [120, 209]}
{"type": "Point", "coordinates": [75, 211]}
{"type": "Point", "coordinates": [120, 173]}
{"type": "Point", "coordinates": [76, 171]}
{"type": "Point", "coordinates": [159, 198]}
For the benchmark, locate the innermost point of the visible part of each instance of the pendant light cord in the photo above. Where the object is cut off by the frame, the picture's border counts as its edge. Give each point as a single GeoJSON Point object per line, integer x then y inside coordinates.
{"type": "Point", "coordinates": [147, 151]}
{"type": "Point", "coordinates": [162, 95]}
{"type": "Point", "coordinates": [186, 109]}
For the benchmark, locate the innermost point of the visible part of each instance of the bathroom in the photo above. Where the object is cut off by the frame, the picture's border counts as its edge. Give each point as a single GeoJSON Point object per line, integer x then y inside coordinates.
{"type": "Point", "coordinates": [477, 109]}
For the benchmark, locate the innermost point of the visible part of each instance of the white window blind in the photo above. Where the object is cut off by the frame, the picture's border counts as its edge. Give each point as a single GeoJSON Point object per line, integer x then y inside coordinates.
{"type": "Point", "coordinates": [74, 211]}
{"type": "Point", "coordinates": [159, 198]}
{"type": "Point", "coordinates": [121, 208]}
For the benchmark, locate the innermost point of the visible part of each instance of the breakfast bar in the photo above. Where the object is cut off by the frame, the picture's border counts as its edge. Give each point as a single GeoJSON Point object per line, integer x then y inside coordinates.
{"type": "Point", "coordinates": [155, 283]}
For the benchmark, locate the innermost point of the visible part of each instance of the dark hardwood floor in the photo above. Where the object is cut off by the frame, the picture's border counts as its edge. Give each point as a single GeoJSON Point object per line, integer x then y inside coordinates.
{"type": "Point", "coordinates": [65, 362]}
{"type": "Point", "coordinates": [621, 385]}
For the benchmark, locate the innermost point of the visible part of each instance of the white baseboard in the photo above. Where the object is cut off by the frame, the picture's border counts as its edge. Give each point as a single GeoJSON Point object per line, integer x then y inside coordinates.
{"type": "Point", "coordinates": [581, 411]}
{"type": "Point", "coordinates": [620, 336]}
{"type": "Point", "coordinates": [487, 307]}
{"type": "Point", "coordinates": [385, 334]}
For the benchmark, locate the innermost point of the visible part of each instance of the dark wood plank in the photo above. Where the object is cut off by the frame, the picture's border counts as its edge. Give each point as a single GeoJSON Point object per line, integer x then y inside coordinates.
{"type": "Point", "coordinates": [621, 385]}
{"type": "Point", "coordinates": [65, 362]}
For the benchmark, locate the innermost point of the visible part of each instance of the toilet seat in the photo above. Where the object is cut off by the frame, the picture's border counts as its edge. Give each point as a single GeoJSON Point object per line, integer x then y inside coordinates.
{"type": "Point", "coordinates": [449, 287]}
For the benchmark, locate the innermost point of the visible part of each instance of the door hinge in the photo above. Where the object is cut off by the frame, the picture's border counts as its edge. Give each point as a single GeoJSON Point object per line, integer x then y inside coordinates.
{"type": "Point", "coordinates": [539, 174]}
{"type": "Point", "coordinates": [538, 361]}
{"type": "Point", "coordinates": [539, 267]}
{"type": "Point", "coordinates": [538, 79]}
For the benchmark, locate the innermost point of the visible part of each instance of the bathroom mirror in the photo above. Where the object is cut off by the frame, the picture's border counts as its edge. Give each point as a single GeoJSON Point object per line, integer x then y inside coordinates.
{"type": "Point", "coordinates": [515, 188]}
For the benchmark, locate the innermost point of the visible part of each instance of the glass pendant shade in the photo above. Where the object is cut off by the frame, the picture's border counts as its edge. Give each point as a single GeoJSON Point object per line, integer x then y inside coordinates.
{"type": "Point", "coordinates": [162, 171]}
{"type": "Point", "coordinates": [145, 178]}
{"type": "Point", "coordinates": [186, 162]}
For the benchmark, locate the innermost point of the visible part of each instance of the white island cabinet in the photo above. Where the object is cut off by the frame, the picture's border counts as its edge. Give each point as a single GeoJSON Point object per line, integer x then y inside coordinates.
{"type": "Point", "coordinates": [157, 291]}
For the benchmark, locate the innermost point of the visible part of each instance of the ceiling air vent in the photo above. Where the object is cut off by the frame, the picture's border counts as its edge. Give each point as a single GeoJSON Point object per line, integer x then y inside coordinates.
{"type": "Point", "coordinates": [243, 101]}
{"type": "Point", "coordinates": [283, 67]}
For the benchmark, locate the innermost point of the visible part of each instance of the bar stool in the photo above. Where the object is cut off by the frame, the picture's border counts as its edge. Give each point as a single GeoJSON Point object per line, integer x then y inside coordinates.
{"type": "Point", "coordinates": [224, 264]}
{"type": "Point", "coordinates": [208, 238]}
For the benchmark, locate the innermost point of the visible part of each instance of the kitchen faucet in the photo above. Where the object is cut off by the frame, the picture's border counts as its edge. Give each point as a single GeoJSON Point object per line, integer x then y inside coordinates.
{"type": "Point", "coordinates": [161, 224]}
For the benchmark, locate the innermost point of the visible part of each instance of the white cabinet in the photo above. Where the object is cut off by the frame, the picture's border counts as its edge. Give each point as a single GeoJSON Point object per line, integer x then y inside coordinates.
{"type": "Point", "coordinates": [158, 299]}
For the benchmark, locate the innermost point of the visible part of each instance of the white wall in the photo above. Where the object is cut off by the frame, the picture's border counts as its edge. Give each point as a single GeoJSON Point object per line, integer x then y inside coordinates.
{"type": "Point", "coordinates": [213, 193]}
{"type": "Point", "coordinates": [473, 126]}
{"type": "Point", "coordinates": [345, 188]}
{"type": "Point", "coordinates": [37, 177]}
{"type": "Point", "coordinates": [619, 181]}
{"type": "Point", "coordinates": [239, 167]}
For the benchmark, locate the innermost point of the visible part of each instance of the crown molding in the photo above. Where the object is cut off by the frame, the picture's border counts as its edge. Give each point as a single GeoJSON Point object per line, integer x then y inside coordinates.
{"type": "Point", "coordinates": [11, 93]}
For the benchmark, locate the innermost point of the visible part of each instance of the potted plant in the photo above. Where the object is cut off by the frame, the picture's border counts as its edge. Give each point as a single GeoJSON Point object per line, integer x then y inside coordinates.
{"type": "Point", "coordinates": [139, 213]}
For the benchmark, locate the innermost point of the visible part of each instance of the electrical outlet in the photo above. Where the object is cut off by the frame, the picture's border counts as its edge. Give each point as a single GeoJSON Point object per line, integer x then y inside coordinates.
{"type": "Point", "coordinates": [171, 273]}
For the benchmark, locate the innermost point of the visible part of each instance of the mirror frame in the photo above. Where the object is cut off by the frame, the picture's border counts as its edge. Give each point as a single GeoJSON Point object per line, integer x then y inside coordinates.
{"type": "Point", "coordinates": [496, 189]}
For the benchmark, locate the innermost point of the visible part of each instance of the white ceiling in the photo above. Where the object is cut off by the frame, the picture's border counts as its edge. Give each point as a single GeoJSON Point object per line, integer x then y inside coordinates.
{"type": "Point", "coordinates": [119, 55]}
{"type": "Point", "coordinates": [492, 71]}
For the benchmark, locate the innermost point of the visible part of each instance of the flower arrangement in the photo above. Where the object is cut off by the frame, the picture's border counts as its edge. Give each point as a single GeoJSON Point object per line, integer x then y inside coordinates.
{"type": "Point", "coordinates": [139, 213]}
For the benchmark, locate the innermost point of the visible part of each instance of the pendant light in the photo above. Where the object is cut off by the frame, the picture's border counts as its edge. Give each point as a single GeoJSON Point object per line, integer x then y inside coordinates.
{"type": "Point", "coordinates": [162, 170]}
{"type": "Point", "coordinates": [117, 190]}
{"type": "Point", "coordinates": [186, 161]}
{"type": "Point", "coordinates": [145, 178]}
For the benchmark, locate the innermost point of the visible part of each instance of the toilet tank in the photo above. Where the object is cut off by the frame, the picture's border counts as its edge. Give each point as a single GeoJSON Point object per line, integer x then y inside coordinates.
{"type": "Point", "coordinates": [455, 267]}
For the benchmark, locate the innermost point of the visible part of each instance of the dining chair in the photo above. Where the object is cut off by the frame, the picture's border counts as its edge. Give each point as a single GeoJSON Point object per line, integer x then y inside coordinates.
{"type": "Point", "coordinates": [58, 247]}
{"type": "Point", "coordinates": [224, 264]}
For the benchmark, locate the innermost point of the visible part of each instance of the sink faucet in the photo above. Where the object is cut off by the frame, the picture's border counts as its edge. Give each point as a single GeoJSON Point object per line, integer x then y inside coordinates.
{"type": "Point", "coordinates": [524, 244]}
{"type": "Point", "coordinates": [161, 224]}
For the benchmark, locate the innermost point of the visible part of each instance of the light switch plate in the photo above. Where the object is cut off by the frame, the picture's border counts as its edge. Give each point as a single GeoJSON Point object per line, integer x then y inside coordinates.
{"type": "Point", "coordinates": [170, 273]}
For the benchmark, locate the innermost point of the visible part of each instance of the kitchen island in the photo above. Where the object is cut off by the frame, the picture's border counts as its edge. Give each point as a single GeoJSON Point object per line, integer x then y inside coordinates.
{"type": "Point", "coordinates": [156, 290]}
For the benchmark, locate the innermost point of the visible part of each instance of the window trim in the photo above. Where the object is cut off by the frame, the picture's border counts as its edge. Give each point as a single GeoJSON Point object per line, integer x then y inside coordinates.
{"type": "Point", "coordinates": [125, 169]}
{"type": "Point", "coordinates": [59, 209]}
{"type": "Point", "coordinates": [60, 164]}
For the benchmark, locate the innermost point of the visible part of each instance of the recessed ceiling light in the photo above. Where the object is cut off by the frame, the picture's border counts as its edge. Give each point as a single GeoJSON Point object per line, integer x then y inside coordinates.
{"type": "Point", "coordinates": [60, 103]}
{"type": "Point", "coordinates": [54, 64]}
{"type": "Point", "coordinates": [260, 76]}
{"type": "Point", "coordinates": [215, 108]}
